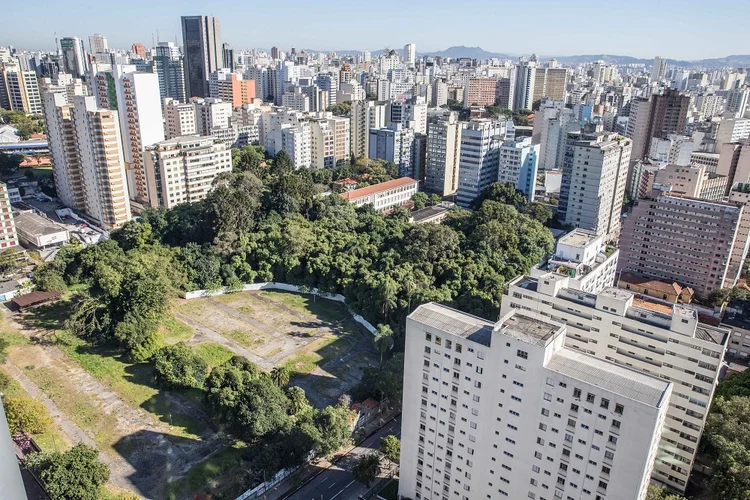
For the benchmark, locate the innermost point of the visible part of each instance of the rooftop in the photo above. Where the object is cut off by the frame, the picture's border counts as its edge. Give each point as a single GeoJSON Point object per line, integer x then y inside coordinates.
{"type": "Point", "coordinates": [529, 330]}
{"type": "Point", "coordinates": [427, 213]}
{"type": "Point", "coordinates": [578, 238]}
{"type": "Point", "coordinates": [36, 225]}
{"type": "Point", "coordinates": [653, 306]}
{"type": "Point", "coordinates": [617, 293]}
{"type": "Point", "coordinates": [377, 188]}
{"type": "Point", "coordinates": [617, 379]}
{"type": "Point", "coordinates": [654, 284]}
{"type": "Point", "coordinates": [454, 322]}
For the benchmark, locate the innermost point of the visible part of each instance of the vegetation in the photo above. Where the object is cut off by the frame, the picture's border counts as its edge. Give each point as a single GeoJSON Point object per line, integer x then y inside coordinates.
{"type": "Point", "coordinates": [73, 475]}
{"type": "Point", "coordinates": [390, 447]}
{"type": "Point", "coordinates": [27, 125]}
{"type": "Point", "coordinates": [340, 109]}
{"type": "Point", "coordinates": [366, 470]}
{"type": "Point", "coordinates": [25, 414]}
{"type": "Point", "coordinates": [718, 297]}
{"type": "Point", "coordinates": [656, 493]}
{"type": "Point", "coordinates": [179, 366]}
{"type": "Point", "coordinates": [9, 163]}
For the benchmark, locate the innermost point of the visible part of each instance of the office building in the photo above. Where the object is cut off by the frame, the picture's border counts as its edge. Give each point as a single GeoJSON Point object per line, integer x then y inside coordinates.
{"type": "Point", "coordinates": [508, 410]}
{"type": "Point", "coordinates": [442, 153]}
{"type": "Point", "coordinates": [478, 158]}
{"type": "Point", "coordinates": [686, 240]}
{"type": "Point", "coordinates": [183, 169]}
{"type": "Point", "coordinates": [142, 125]}
{"type": "Point", "coordinates": [659, 69]}
{"type": "Point", "coordinates": [329, 82]}
{"type": "Point", "coordinates": [21, 89]}
{"type": "Point", "coordinates": [365, 115]}
{"type": "Point", "coordinates": [518, 163]}
{"type": "Point", "coordinates": [384, 196]}
{"type": "Point", "coordinates": [98, 44]}
{"type": "Point", "coordinates": [585, 258]}
{"type": "Point", "coordinates": [595, 172]}
{"type": "Point", "coordinates": [410, 54]}
{"type": "Point", "coordinates": [169, 67]}
{"type": "Point", "coordinates": [179, 118]}
{"type": "Point", "coordinates": [73, 57]}
{"type": "Point", "coordinates": [652, 336]}
{"type": "Point", "coordinates": [394, 143]}
{"type": "Point", "coordinates": [8, 234]}
{"type": "Point", "coordinates": [87, 158]}
{"type": "Point", "coordinates": [227, 57]}
{"type": "Point", "coordinates": [201, 40]}
{"type": "Point", "coordinates": [708, 160]}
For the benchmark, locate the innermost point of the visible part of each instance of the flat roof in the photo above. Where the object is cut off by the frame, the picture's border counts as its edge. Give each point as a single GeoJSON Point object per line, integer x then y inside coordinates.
{"type": "Point", "coordinates": [36, 225]}
{"type": "Point", "coordinates": [529, 330]}
{"type": "Point", "coordinates": [616, 293]}
{"type": "Point", "coordinates": [577, 238]}
{"type": "Point", "coordinates": [454, 322]}
{"type": "Point", "coordinates": [428, 212]}
{"type": "Point", "coordinates": [376, 188]}
{"type": "Point", "coordinates": [617, 379]}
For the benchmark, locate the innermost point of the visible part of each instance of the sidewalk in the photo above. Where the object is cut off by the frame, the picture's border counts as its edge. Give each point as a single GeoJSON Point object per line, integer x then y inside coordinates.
{"type": "Point", "coordinates": [309, 471]}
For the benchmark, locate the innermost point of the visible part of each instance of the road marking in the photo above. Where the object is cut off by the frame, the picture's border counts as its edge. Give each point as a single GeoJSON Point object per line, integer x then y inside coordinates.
{"type": "Point", "coordinates": [340, 492]}
{"type": "Point", "coordinates": [334, 484]}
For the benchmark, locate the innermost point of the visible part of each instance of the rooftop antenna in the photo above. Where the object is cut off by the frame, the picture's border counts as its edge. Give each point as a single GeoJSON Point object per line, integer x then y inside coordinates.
{"type": "Point", "coordinates": [153, 43]}
{"type": "Point", "coordinates": [157, 35]}
{"type": "Point", "coordinates": [57, 44]}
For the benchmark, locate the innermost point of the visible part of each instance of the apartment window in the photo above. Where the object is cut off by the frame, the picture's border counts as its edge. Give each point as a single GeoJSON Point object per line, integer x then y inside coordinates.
{"type": "Point", "coordinates": [616, 424]}
{"type": "Point", "coordinates": [590, 398]}
{"type": "Point", "coordinates": [428, 337]}
{"type": "Point", "coordinates": [613, 439]}
{"type": "Point", "coordinates": [577, 393]}
{"type": "Point", "coordinates": [604, 403]}
{"type": "Point", "coordinates": [522, 354]}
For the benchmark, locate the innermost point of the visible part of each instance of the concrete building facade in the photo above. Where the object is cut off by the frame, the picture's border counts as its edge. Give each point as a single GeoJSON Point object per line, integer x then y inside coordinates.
{"type": "Point", "coordinates": [442, 153]}
{"type": "Point", "coordinates": [478, 158]}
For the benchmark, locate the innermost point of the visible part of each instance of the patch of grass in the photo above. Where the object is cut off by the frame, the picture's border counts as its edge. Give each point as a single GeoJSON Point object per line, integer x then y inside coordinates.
{"type": "Point", "coordinates": [13, 338]}
{"type": "Point", "coordinates": [175, 331]}
{"type": "Point", "coordinates": [213, 354]}
{"type": "Point", "coordinates": [204, 476]}
{"type": "Point", "coordinates": [326, 310]}
{"type": "Point", "coordinates": [50, 317]}
{"type": "Point", "coordinates": [133, 382]}
{"type": "Point", "coordinates": [316, 353]}
{"type": "Point", "coordinates": [54, 438]}
{"type": "Point", "coordinates": [241, 337]}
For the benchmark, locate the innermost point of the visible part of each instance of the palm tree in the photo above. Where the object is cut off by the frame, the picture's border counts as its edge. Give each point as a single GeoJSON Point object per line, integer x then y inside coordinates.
{"type": "Point", "coordinates": [281, 376]}
{"type": "Point", "coordinates": [383, 341]}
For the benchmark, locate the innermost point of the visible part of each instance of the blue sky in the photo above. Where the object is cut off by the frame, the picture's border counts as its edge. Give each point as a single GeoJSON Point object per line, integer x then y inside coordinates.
{"type": "Point", "coordinates": [686, 29]}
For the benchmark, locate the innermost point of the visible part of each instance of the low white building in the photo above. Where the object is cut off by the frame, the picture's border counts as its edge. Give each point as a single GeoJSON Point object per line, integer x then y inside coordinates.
{"type": "Point", "coordinates": [35, 231]}
{"type": "Point", "coordinates": [505, 410]}
{"type": "Point", "coordinates": [384, 196]}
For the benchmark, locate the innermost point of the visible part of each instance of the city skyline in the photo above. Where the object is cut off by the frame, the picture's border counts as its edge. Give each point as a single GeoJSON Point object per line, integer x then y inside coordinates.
{"type": "Point", "coordinates": [545, 28]}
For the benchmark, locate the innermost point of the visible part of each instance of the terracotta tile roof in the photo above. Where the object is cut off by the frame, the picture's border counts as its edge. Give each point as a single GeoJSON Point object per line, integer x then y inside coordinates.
{"type": "Point", "coordinates": [652, 284]}
{"type": "Point", "coordinates": [377, 188]}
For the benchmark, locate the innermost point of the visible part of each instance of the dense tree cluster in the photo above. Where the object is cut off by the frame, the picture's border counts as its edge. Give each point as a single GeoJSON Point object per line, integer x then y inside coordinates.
{"type": "Point", "coordinates": [178, 366]}
{"type": "Point", "coordinates": [340, 109]}
{"type": "Point", "coordinates": [27, 125]}
{"type": "Point", "coordinates": [73, 475]}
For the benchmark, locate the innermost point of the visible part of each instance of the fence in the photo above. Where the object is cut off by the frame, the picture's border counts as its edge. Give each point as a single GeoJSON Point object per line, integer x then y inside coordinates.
{"type": "Point", "coordinates": [287, 288]}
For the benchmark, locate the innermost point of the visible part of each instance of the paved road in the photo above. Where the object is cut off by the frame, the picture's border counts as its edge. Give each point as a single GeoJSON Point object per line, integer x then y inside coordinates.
{"type": "Point", "coordinates": [337, 483]}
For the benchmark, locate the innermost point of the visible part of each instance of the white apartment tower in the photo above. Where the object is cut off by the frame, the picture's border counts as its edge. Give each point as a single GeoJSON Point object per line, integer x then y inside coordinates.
{"type": "Point", "coordinates": [518, 162]}
{"type": "Point", "coordinates": [523, 95]}
{"type": "Point", "coordinates": [142, 125]}
{"type": "Point", "coordinates": [8, 234]}
{"type": "Point", "coordinates": [659, 69]}
{"type": "Point", "coordinates": [506, 410]}
{"type": "Point", "coordinates": [87, 158]}
{"type": "Point", "coordinates": [183, 169]}
{"type": "Point", "coordinates": [595, 172]}
{"type": "Point", "coordinates": [365, 115]}
{"type": "Point", "coordinates": [410, 54]}
{"type": "Point", "coordinates": [478, 158]}
{"type": "Point", "coordinates": [443, 148]}
{"type": "Point", "coordinates": [22, 90]}
{"type": "Point", "coordinates": [179, 118]}
{"type": "Point", "coordinates": [654, 337]}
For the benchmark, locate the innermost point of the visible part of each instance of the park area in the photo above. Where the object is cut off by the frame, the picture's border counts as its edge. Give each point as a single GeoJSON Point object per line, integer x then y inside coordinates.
{"type": "Point", "coordinates": [162, 443]}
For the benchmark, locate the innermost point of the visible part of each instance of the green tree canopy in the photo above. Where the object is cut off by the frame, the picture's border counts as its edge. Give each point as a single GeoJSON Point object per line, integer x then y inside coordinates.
{"type": "Point", "coordinates": [366, 470]}
{"type": "Point", "coordinates": [390, 447]}
{"type": "Point", "coordinates": [73, 475]}
{"type": "Point", "coordinates": [25, 414]}
{"type": "Point", "coordinates": [179, 366]}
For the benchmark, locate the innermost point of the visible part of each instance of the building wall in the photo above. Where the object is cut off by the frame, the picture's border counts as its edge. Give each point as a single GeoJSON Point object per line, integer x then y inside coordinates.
{"type": "Point", "coordinates": [8, 235]}
{"type": "Point", "coordinates": [442, 154]}
{"type": "Point", "coordinates": [478, 158]}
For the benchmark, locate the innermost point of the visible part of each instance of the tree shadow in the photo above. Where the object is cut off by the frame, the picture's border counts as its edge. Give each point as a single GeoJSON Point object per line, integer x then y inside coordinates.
{"type": "Point", "coordinates": [47, 317]}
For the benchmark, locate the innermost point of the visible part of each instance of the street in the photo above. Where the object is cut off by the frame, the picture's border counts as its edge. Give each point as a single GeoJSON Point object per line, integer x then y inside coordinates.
{"type": "Point", "coordinates": [337, 482]}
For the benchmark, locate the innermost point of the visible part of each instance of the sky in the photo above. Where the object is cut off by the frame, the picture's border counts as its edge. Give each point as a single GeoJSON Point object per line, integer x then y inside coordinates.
{"type": "Point", "coordinates": [685, 29]}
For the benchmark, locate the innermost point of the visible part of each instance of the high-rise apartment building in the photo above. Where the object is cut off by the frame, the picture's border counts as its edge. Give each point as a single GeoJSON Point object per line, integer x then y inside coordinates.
{"type": "Point", "coordinates": [341, 137]}
{"type": "Point", "coordinates": [227, 56]}
{"type": "Point", "coordinates": [410, 54]}
{"type": "Point", "coordinates": [551, 127]}
{"type": "Point", "coordinates": [321, 144]}
{"type": "Point", "coordinates": [201, 36]}
{"type": "Point", "coordinates": [73, 57]}
{"type": "Point", "coordinates": [639, 127]}
{"type": "Point", "coordinates": [169, 67]}
{"type": "Point", "coordinates": [595, 172]}
{"type": "Point", "coordinates": [442, 153]}
{"type": "Point", "coordinates": [328, 82]}
{"type": "Point", "coordinates": [183, 169]}
{"type": "Point", "coordinates": [652, 336]}
{"type": "Point", "coordinates": [523, 93]}
{"type": "Point", "coordinates": [737, 101]}
{"type": "Point", "coordinates": [87, 158]}
{"type": "Point", "coordinates": [179, 118]}
{"type": "Point", "coordinates": [103, 81]}
{"type": "Point", "coordinates": [409, 113]}
{"type": "Point", "coordinates": [659, 69]}
{"type": "Point", "coordinates": [478, 158]}
{"type": "Point", "coordinates": [686, 240]}
{"type": "Point", "coordinates": [394, 143]}
{"type": "Point", "coordinates": [740, 194]}
{"type": "Point", "coordinates": [659, 116]}
{"type": "Point", "coordinates": [365, 115]}
{"type": "Point", "coordinates": [551, 83]}
{"type": "Point", "coordinates": [141, 123]}
{"type": "Point", "coordinates": [692, 181]}
{"type": "Point", "coordinates": [231, 88]}
{"type": "Point", "coordinates": [98, 45]}
{"type": "Point", "coordinates": [734, 162]}
{"type": "Point", "coordinates": [731, 130]}
{"type": "Point", "coordinates": [21, 88]}
{"type": "Point", "coordinates": [480, 91]}
{"type": "Point", "coordinates": [518, 161]}
{"type": "Point", "coordinates": [507, 410]}
{"type": "Point", "coordinates": [8, 234]}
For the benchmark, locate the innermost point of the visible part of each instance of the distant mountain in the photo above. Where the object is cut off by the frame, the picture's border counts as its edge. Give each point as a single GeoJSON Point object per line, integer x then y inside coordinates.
{"type": "Point", "coordinates": [470, 52]}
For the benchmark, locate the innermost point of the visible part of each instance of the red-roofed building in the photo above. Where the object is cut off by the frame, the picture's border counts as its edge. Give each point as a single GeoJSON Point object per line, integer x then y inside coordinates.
{"type": "Point", "coordinates": [384, 196]}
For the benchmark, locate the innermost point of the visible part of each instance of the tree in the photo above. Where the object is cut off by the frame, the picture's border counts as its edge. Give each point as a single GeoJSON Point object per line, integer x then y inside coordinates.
{"type": "Point", "coordinates": [538, 211]}
{"type": "Point", "coordinates": [502, 192]}
{"type": "Point", "coordinates": [366, 470]}
{"type": "Point", "coordinates": [25, 414]}
{"type": "Point", "coordinates": [29, 174]}
{"type": "Point", "coordinates": [73, 475]}
{"type": "Point", "coordinates": [179, 366]}
{"type": "Point", "coordinates": [419, 199]}
{"type": "Point", "coordinates": [390, 447]}
{"type": "Point", "coordinates": [281, 376]}
{"type": "Point", "coordinates": [282, 164]}
{"type": "Point", "coordinates": [726, 439]}
{"type": "Point", "coordinates": [335, 429]}
{"type": "Point", "coordinates": [385, 383]}
{"type": "Point", "coordinates": [9, 163]}
{"type": "Point", "coordinates": [656, 493]}
{"type": "Point", "coordinates": [10, 261]}
{"type": "Point", "coordinates": [435, 199]}
{"type": "Point", "coordinates": [383, 340]}
{"type": "Point", "coordinates": [298, 402]}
